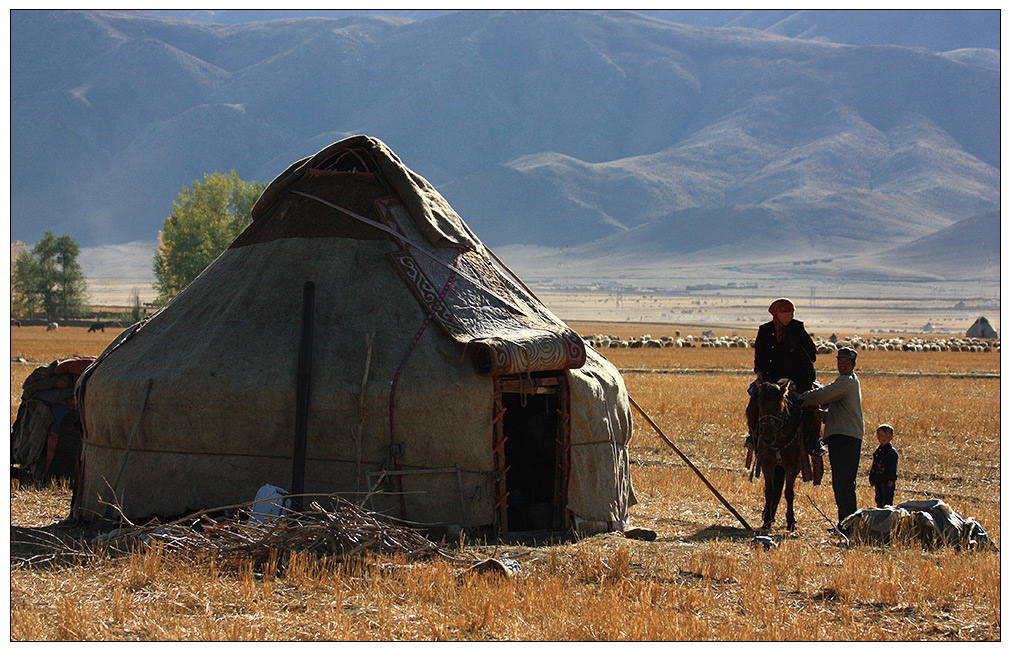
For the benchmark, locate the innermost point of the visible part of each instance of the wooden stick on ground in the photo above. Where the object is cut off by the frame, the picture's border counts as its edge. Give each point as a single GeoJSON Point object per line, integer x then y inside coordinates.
{"type": "Point", "coordinates": [690, 465]}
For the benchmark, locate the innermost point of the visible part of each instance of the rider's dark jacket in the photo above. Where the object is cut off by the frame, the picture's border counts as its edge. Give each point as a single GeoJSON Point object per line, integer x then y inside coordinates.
{"type": "Point", "coordinates": [792, 357]}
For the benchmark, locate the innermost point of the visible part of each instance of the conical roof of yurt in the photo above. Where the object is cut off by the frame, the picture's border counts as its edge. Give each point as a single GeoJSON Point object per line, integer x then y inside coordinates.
{"type": "Point", "coordinates": [357, 338]}
{"type": "Point", "coordinates": [982, 329]}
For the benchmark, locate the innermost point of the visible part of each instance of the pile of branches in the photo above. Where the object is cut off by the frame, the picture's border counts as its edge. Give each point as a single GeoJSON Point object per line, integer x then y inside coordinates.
{"type": "Point", "coordinates": [336, 531]}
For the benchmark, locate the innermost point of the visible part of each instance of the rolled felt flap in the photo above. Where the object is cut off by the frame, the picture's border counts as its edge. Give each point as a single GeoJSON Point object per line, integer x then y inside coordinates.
{"type": "Point", "coordinates": [528, 351]}
{"type": "Point", "coordinates": [507, 330]}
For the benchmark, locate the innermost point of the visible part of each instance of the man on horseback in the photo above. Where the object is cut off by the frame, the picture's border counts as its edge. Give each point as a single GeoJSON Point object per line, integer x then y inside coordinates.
{"type": "Point", "coordinates": [784, 349]}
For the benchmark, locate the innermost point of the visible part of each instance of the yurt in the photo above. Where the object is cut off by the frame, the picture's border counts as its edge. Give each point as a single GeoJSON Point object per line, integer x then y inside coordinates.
{"type": "Point", "coordinates": [358, 338]}
{"type": "Point", "coordinates": [982, 329]}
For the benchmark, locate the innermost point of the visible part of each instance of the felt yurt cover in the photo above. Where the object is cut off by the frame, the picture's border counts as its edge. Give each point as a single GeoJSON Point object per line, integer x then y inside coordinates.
{"type": "Point", "coordinates": [982, 329]}
{"type": "Point", "coordinates": [438, 389]}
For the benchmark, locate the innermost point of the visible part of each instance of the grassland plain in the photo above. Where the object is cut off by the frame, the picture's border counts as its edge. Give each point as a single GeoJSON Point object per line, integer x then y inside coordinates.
{"type": "Point", "coordinates": [701, 579]}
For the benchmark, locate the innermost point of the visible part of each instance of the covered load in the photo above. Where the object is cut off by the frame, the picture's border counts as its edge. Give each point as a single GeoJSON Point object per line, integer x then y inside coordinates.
{"type": "Point", "coordinates": [929, 521]}
{"type": "Point", "coordinates": [46, 435]}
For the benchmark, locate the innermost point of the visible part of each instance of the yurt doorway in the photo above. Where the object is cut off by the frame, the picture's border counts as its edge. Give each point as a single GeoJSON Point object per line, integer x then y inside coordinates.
{"type": "Point", "coordinates": [531, 433]}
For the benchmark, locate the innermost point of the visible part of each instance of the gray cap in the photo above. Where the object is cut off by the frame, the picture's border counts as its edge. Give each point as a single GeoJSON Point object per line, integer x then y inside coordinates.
{"type": "Point", "coordinates": [847, 353]}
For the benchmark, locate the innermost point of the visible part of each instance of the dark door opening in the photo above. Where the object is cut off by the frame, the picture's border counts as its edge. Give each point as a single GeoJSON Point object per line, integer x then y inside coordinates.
{"type": "Point", "coordinates": [532, 432]}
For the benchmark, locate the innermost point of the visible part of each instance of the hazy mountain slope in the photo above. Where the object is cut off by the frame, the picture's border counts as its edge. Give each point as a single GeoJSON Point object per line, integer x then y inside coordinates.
{"type": "Point", "coordinates": [244, 16]}
{"type": "Point", "coordinates": [968, 251]}
{"type": "Point", "coordinates": [941, 252]}
{"type": "Point", "coordinates": [990, 59]}
{"type": "Point", "coordinates": [312, 82]}
{"type": "Point", "coordinates": [162, 150]}
{"type": "Point", "coordinates": [598, 130]}
{"type": "Point", "coordinates": [807, 141]}
{"type": "Point", "coordinates": [934, 30]}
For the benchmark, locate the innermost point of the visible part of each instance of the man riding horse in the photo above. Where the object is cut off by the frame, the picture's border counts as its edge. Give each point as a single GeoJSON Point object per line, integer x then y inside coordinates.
{"type": "Point", "coordinates": [784, 349]}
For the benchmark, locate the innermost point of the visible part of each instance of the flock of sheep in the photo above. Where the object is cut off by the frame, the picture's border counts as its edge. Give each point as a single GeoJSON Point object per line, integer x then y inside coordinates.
{"type": "Point", "coordinates": [823, 346]}
{"type": "Point", "coordinates": [646, 341]}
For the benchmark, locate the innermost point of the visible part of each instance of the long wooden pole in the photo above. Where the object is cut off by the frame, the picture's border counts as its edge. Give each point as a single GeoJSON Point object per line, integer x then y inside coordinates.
{"type": "Point", "coordinates": [304, 388]}
{"type": "Point", "coordinates": [370, 338]}
{"type": "Point", "coordinates": [689, 464]}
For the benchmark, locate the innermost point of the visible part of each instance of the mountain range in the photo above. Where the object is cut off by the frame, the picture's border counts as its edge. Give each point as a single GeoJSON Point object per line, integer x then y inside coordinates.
{"type": "Point", "coordinates": [568, 137]}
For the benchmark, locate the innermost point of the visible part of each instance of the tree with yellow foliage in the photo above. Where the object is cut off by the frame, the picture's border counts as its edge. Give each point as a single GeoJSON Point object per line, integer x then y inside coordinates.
{"type": "Point", "coordinates": [205, 219]}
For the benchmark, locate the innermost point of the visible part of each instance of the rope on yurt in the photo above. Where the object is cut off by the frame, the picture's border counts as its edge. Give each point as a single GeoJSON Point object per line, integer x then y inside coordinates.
{"type": "Point", "coordinates": [333, 162]}
{"type": "Point", "coordinates": [395, 382]}
{"type": "Point", "coordinates": [462, 357]}
{"type": "Point", "coordinates": [511, 273]}
{"type": "Point", "coordinates": [401, 238]}
{"type": "Point", "coordinates": [525, 377]}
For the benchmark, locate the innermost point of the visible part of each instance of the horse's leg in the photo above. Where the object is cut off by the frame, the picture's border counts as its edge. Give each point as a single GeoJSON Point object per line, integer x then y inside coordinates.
{"type": "Point", "coordinates": [774, 476]}
{"type": "Point", "coordinates": [790, 497]}
{"type": "Point", "coordinates": [779, 484]}
{"type": "Point", "coordinates": [768, 516]}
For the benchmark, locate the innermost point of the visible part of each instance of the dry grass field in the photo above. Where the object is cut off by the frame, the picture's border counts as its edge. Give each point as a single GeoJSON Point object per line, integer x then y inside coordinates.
{"type": "Point", "coordinates": [701, 579]}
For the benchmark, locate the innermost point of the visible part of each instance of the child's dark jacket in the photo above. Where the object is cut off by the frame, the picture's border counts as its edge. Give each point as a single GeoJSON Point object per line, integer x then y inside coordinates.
{"type": "Point", "coordinates": [884, 465]}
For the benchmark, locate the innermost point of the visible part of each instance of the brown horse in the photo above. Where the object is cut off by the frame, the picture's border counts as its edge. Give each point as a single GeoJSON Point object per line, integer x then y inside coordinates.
{"type": "Point", "coordinates": [779, 446]}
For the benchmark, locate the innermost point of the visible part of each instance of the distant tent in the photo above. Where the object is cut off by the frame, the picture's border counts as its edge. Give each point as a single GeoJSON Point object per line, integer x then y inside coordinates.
{"type": "Point", "coordinates": [496, 417]}
{"type": "Point", "coordinates": [982, 329]}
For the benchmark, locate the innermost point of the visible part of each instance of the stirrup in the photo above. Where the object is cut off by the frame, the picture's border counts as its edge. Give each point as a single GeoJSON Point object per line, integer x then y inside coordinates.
{"type": "Point", "coordinates": [750, 443]}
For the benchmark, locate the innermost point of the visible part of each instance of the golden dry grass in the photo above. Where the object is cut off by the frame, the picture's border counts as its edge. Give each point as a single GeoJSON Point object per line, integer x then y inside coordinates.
{"type": "Point", "coordinates": [36, 344]}
{"type": "Point", "coordinates": [701, 579]}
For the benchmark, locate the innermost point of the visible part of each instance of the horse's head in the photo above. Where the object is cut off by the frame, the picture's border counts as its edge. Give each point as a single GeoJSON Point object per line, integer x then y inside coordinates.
{"type": "Point", "coordinates": [775, 406]}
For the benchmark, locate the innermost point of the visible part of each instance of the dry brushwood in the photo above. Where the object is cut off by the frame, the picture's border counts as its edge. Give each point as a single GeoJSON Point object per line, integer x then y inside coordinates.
{"type": "Point", "coordinates": [337, 532]}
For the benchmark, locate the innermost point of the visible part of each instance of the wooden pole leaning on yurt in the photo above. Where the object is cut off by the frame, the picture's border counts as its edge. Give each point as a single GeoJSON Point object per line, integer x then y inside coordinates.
{"type": "Point", "coordinates": [303, 391]}
{"type": "Point", "coordinates": [689, 464]}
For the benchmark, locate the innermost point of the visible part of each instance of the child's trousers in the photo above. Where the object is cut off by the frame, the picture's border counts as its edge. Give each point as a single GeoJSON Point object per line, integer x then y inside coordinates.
{"type": "Point", "coordinates": [884, 495]}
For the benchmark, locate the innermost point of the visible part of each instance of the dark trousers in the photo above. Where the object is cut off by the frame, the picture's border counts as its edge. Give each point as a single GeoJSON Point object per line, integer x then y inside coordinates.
{"type": "Point", "coordinates": [844, 456]}
{"type": "Point", "coordinates": [884, 495]}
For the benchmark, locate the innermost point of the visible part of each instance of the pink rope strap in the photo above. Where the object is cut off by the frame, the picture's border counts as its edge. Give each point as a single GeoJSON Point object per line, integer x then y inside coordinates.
{"type": "Point", "coordinates": [395, 382]}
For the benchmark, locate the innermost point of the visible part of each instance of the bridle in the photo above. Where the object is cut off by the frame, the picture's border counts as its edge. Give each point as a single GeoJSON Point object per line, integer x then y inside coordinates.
{"type": "Point", "coordinates": [769, 428]}
{"type": "Point", "coordinates": [780, 421]}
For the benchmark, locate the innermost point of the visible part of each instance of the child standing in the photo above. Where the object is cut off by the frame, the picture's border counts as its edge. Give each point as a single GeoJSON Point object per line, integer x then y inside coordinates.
{"type": "Point", "coordinates": [883, 473]}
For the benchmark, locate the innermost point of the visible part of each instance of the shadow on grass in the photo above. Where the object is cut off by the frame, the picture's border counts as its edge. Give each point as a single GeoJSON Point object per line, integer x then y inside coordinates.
{"type": "Point", "coordinates": [721, 532]}
{"type": "Point", "coordinates": [57, 543]}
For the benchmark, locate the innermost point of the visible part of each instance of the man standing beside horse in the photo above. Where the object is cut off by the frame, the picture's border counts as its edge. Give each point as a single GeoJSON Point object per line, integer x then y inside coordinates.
{"type": "Point", "coordinates": [842, 429]}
